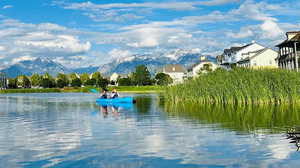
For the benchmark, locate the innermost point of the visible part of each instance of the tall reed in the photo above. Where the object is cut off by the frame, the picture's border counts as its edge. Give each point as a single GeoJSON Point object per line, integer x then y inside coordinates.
{"type": "Point", "coordinates": [239, 86]}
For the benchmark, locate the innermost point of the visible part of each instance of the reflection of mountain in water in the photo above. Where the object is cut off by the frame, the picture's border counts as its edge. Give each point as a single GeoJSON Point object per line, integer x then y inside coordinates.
{"type": "Point", "coordinates": [239, 118]}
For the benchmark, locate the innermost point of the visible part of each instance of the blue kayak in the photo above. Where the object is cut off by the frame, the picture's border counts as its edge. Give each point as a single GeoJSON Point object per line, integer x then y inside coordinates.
{"type": "Point", "coordinates": [116, 100]}
{"type": "Point", "coordinates": [122, 105]}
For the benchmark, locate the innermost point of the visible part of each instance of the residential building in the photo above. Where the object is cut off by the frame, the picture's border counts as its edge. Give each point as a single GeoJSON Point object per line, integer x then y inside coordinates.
{"type": "Point", "coordinates": [289, 51]}
{"type": "Point", "coordinates": [202, 67]}
{"type": "Point", "coordinates": [231, 56]}
{"type": "Point", "coordinates": [177, 72]}
{"type": "Point", "coordinates": [114, 77]}
{"type": "Point", "coordinates": [261, 58]}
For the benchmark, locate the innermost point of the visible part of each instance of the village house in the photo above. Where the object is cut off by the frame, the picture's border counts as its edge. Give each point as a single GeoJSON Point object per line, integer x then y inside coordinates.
{"type": "Point", "coordinates": [114, 77]}
{"type": "Point", "coordinates": [177, 72]}
{"type": "Point", "coordinates": [261, 58]}
{"type": "Point", "coordinates": [289, 51]}
{"type": "Point", "coordinates": [231, 56]}
{"type": "Point", "coordinates": [203, 66]}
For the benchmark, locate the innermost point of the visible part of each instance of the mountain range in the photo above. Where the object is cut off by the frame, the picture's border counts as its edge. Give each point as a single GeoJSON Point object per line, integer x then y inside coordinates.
{"type": "Point", "coordinates": [124, 65]}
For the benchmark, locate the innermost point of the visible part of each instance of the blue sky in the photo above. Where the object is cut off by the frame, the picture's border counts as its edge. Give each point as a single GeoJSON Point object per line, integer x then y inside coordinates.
{"type": "Point", "coordinates": [81, 33]}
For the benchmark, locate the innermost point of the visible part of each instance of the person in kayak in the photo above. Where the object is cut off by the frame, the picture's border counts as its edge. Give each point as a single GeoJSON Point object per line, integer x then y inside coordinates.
{"type": "Point", "coordinates": [114, 94]}
{"type": "Point", "coordinates": [104, 94]}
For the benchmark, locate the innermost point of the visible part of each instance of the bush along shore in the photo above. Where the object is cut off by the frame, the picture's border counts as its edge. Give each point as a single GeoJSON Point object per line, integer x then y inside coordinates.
{"type": "Point", "coordinates": [133, 89]}
{"type": "Point", "coordinates": [239, 86]}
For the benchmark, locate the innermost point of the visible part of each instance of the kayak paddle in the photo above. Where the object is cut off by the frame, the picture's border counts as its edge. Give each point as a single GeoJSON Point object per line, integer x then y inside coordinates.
{"type": "Point", "coordinates": [94, 91]}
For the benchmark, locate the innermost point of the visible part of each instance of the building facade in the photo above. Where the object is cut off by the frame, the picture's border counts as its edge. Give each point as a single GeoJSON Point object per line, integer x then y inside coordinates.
{"type": "Point", "coordinates": [233, 55]}
{"type": "Point", "coordinates": [289, 51]}
{"type": "Point", "coordinates": [264, 58]}
{"type": "Point", "coordinates": [202, 67]}
{"type": "Point", "coordinates": [177, 72]}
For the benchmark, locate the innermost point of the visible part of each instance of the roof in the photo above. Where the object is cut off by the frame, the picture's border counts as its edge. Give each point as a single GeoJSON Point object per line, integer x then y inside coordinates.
{"type": "Point", "coordinates": [174, 68]}
{"type": "Point", "coordinates": [294, 39]}
{"type": "Point", "coordinates": [236, 49]}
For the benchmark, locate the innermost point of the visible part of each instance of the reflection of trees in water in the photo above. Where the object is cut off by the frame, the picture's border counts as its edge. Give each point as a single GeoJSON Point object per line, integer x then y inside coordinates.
{"type": "Point", "coordinates": [143, 104]}
{"type": "Point", "coordinates": [294, 136]}
{"type": "Point", "coordinates": [239, 118]}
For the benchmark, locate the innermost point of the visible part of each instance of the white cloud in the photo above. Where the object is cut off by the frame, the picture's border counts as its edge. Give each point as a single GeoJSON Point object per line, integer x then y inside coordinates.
{"type": "Point", "coordinates": [118, 53]}
{"type": "Point", "coordinates": [23, 58]}
{"type": "Point", "coordinates": [7, 6]}
{"type": "Point", "coordinates": [21, 41]}
{"type": "Point", "coordinates": [271, 30]}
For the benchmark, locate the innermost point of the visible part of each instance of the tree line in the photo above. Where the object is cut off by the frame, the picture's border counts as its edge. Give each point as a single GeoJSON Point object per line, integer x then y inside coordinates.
{"type": "Point", "coordinates": [140, 77]}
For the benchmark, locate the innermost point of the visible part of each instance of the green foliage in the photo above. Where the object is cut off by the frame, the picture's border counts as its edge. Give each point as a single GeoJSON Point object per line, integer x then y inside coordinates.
{"type": "Point", "coordinates": [206, 68]}
{"type": "Point", "coordinates": [36, 80]}
{"type": "Point", "coordinates": [240, 86]}
{"type": "Point", "coordinates": [47, 81]}
{"type": "Point", "coordinates": [84, 78]}
{"type": "Point", "coordinates": [12, 83]}
{"type": "Point", "coordinates": [90, 82]}
{"type": "Point", "coordinates": [62, 80]}
{"type": "Point", "coordinates": [76, 82]}
{"type": "Point", "coordinates": [97, 76]}
{"type": "Point", "coordinates": [142, 76]}
{"type": "Point", "coordinates": [163, 79]}
{"type": "Point", "coordinates": [23, 81]}
{"type": "Point", "coordinates": [102, 83]}
{"type": "Point", "coordinates": [124, 81]}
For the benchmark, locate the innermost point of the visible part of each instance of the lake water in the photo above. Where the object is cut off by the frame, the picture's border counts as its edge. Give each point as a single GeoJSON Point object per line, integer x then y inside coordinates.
{"type": "Point", "coordinates": [71, 130]}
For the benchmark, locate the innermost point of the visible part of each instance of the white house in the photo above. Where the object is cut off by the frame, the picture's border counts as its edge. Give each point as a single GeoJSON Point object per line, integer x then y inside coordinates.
{"type": "Point", "coordinates": [234, 54]}
{"type": "Point", "coordinates": [114, 77]}
{"type": "Point", "coordinates": [177, 72]}
{"type": "Point", "coordinates": [261, 58]}
{"type": "Point", "coordinates": [202, 66]}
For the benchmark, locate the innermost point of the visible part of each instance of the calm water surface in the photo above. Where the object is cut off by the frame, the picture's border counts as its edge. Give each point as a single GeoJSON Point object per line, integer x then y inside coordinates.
{"type": "Point", "coordinates": [71, 130]}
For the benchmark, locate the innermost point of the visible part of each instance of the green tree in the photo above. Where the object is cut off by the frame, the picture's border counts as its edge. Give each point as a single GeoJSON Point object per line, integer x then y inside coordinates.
{"type": "Point", "coordinates": [141, 76]}
{"type": "Point", "coordinates": [103, 82]}
{"type": "Point", "coordinates": [62, 80]}
{"type": "Point", "coordinates": [163, 79]}
{"type": "Point", "coordinates": [90, 82]}
{"type": "Point", "coordinates": [36, 80]}
{"type": "Point", "coordinates": [97, 76]}
{"type": "Point", "coordinates": [48, 81]}
{"type": "Point", "coordinates": [76, 82]}
{"type": "Point", "coordinates": [23, 81]}
{"type": "Point", "coordinates": [124, 81]}
{"type": "Point", "coordinates": [84, 78]}
{"type": "Point", "coordinates": [12, 83]}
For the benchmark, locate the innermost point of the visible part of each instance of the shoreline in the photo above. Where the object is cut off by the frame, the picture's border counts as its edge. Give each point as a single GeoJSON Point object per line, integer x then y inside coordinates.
{"type": "Point", "coordinates": [127, 89]}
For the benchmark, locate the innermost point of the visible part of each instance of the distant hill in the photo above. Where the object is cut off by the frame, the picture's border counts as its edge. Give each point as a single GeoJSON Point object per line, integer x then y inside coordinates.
{"type": "Point", "coordinates": [39, 65]}
{"type": "Point", "coordinates": [125, 65]}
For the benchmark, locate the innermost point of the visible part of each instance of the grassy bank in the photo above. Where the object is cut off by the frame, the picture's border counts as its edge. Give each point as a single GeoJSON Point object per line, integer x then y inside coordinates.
{"type": "Point", "coordinates": [134, 89]}
{"type": "Point", "coordinates": [240, 86]}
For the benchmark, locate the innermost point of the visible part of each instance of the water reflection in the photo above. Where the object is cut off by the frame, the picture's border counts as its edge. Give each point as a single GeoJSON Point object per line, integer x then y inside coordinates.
{"type": "Point", "coordinates": [294, 136]}
{"type": "Point", "coordinates": [244, 119]}
{"type": "Point", "coordinates": [71, 130]}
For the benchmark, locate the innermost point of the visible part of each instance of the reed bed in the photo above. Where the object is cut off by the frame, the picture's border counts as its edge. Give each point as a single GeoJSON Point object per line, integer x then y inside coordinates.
{"type": "Point", "coordinates": [239, 86]}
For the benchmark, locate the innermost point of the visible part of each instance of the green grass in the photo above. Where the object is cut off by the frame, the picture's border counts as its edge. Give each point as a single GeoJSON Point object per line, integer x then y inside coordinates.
{"type": "Point", "coordinates": [239, 86]}
{"type": "Point", "coordinates": [135, 89]}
